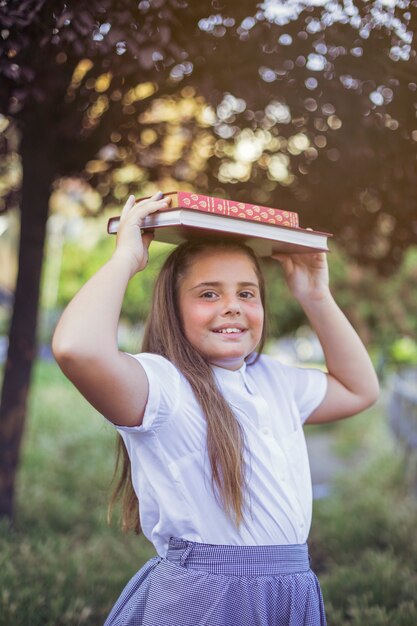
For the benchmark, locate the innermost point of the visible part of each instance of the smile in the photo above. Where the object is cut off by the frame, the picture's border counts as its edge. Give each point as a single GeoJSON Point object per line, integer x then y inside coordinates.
{"type": "Point", "coordinates": [228, 331]}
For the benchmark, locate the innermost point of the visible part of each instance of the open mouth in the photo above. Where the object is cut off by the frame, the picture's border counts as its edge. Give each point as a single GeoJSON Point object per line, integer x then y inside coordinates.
{"type": "Point", "coordinates": [229, 331]}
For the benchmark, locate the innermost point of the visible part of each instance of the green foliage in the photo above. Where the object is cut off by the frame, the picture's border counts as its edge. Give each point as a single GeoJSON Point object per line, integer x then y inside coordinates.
{"type": "Point", "coordinates": [79, 262]}
{"type": "Point", "coordinates": [359, 517]}
{"type": "Point", "coordinates": [404, 351]}
{"type": "Point", "coordinates": [332, 133]}
{"type": "Point", "coordinates": [360, 613]}
{"type": "Point", "coordinates": [56, 579]}
{"type": "Point", "coordinates": [63, 565]}
{"type": "Point", "coordinates": [375, 584]}
{"type": "Point", "coordinates": [4, 321]}
{"type": "Point", "coordinates": [83, 257]}
{"type": "Point", "coordinates": [381, 310]}
{"type": "Point", "coordinates": [283, 312]}
{"type": "Point", "coordinates": [364, 546]}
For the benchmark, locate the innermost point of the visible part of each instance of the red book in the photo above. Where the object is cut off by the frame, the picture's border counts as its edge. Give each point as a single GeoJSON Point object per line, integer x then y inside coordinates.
{"type": "Point", "coordinates": [230, 208]}
{"type": "Point", "coordinates": [180, 224]}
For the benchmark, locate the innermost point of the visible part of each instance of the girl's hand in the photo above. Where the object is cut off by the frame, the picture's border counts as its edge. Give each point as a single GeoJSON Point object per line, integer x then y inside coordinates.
{"type": "Point", "coordinates": [130, 243]}
{"type": "Point", "coordinates": [307, 275]}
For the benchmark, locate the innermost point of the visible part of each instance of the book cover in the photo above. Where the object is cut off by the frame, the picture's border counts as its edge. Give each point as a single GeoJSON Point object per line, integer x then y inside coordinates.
{"type": "Point", "coordinates": [178, 225]}
{"type": "Point", "coordinates": [230, 208]}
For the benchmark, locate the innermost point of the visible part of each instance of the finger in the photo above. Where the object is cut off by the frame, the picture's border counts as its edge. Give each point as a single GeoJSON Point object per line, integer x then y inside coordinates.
{"type": "Point", "coordinates": [285, 260]}
{"type": "Point", "coordinates": [129, 204]}
{"type": "Point", "coordinates": [279, 257]}
{"type": "Point", "coordinates": [159, 195]}
{"type": "Point", "coordinates": [147, 238]}
{"type": "Point", "coordinates": [314, 258]}
{"type": "Point", "coordinates": [141, 210]}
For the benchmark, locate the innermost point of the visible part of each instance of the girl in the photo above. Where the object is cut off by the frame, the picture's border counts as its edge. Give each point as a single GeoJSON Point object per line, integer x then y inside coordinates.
{"type": "Point", "coordinates": [212, 429]}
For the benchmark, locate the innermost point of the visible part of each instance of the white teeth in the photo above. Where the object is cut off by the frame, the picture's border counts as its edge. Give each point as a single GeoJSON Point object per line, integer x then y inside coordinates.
{"type": "Point", "coordinates": [228, 330]}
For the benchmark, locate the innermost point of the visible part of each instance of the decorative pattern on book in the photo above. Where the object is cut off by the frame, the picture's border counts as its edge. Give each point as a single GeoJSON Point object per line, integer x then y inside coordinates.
{"type": "Point", "coordinates": [231, 208]}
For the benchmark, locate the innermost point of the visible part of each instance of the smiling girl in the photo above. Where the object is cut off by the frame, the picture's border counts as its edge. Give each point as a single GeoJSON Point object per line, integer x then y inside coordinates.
{"type": "Point", "coordinates": [211, 429]}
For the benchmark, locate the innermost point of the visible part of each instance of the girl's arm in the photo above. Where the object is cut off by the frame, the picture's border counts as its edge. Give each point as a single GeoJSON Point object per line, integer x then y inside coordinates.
{"type": "Point", "coordinates": [85, 340]}
{"type": "Point", "coordinates": [352, 381]}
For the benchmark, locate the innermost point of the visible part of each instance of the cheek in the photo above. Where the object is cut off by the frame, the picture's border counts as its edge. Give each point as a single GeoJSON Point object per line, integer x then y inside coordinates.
{"type": "Point", "coordinates": [196, 319]}
{"type": "Point", "coordinates": [256, 315]}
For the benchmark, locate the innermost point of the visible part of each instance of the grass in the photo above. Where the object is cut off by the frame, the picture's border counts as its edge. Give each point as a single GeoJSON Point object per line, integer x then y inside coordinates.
{"type": "Point", "coordinates": [363, 539]}
{"type": "Point", "coordinates": [62, 565]}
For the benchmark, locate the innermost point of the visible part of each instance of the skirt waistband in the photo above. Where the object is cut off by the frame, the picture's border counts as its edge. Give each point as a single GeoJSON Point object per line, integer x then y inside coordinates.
{"type": "Point", "coordinates": [239, 560]}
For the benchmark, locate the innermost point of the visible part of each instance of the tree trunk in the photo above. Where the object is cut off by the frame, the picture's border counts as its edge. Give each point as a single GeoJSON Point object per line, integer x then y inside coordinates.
{"type": "Point", "coordinates": [36, 188]}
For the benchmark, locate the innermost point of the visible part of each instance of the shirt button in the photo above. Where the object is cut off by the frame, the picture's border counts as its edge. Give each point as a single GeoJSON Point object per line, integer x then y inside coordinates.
{"type": "Point", "coordinates": [265, 431]}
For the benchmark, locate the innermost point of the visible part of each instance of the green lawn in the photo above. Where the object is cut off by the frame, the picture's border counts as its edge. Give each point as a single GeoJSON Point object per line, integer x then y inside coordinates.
{"type": "Point", "coordinates": [63, 565]}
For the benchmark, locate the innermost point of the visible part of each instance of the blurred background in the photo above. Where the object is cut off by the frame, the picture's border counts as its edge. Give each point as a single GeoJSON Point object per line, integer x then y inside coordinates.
{"type": "Point", "coordinates": [304, 106]}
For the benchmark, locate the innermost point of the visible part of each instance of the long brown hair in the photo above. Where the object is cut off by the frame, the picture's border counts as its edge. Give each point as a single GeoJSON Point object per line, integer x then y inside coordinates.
{"type": "Point", "coordinates": [225, 441]}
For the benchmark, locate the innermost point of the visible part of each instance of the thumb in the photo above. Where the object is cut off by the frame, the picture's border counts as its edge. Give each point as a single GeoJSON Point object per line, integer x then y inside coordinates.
{"type": "Point", "coordinates": [284, 259]}
{"type": "Point", "coordinates": [286, 262]}
{"type": "Point", "coordinates": [147, 238]}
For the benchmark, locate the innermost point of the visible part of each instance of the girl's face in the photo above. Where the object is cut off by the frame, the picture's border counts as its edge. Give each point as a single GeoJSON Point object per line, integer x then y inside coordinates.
{"type": "Point", "coordinates": [220, 306]}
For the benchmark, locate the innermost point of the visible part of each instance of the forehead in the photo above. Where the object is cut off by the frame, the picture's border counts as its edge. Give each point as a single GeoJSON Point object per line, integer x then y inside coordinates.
{"type": "Point", "coordinates": [221, 263]}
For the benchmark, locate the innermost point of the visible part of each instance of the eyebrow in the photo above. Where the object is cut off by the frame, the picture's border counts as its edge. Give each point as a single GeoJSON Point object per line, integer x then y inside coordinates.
{"type": "Point", "coordinates": [217, 283]}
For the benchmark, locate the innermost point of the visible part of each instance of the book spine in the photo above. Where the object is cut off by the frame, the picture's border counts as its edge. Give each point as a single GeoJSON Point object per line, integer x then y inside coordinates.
{"type": "Point", "coordinates": [241, 210]}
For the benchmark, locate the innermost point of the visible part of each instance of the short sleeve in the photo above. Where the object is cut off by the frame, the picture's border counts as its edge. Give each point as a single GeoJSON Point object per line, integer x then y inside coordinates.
{"type": "Point", "coordinates": [164, 391]}
{"type": "Point", "coordinates": [309, 387]}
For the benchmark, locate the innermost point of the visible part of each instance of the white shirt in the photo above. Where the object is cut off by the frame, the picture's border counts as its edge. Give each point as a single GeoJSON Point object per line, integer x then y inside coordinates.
{"type": "Point", "coordinates": [170, 467]}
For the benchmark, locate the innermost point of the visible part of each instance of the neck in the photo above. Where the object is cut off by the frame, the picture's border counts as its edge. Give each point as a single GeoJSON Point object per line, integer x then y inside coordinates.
{"type": "Point", "coordinates": [229, 364]}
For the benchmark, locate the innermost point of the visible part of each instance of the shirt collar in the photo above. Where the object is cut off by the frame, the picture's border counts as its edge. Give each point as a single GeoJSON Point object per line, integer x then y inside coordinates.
{"type": "Point", "coordinates": [232, 378]}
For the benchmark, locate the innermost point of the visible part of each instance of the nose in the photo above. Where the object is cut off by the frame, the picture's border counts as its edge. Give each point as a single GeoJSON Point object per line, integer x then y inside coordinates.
{"type": "Point", "coordinates": [232, 307]}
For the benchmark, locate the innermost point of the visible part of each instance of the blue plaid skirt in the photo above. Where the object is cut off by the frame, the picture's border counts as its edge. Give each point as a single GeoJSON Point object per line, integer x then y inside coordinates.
{"type": "Point", "coordinates": [200, 584]}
